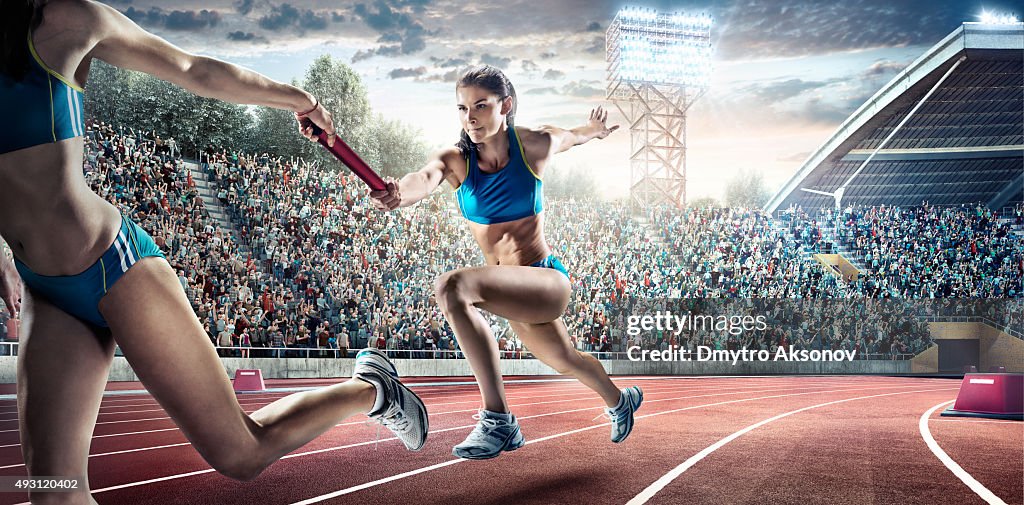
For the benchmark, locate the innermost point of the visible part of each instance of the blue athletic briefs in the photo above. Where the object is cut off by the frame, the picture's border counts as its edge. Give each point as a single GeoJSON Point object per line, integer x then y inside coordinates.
{"type": "Point", "coordinates": [79, 295]}
{"type": "Point", "coordinates": [553, 263]}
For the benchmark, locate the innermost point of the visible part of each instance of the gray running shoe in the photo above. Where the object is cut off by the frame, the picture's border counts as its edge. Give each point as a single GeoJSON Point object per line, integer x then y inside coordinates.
{"type": "Point", "coordinates": [622, 415]}
{"type": "Point", "coordinates": [403, 412]}
{"type": "Point", "coordinates": [490, 437]}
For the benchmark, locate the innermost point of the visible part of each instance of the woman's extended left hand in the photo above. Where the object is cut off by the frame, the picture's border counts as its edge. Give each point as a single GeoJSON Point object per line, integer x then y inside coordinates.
{"type": "Point", "coordinates": [598, 117]}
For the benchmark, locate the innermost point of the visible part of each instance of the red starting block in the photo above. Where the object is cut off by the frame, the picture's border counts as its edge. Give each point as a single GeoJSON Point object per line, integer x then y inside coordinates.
{"type": "Point", "coordinates": [249, 380]}
{"type": "Point", "coordinates": [990, 395]}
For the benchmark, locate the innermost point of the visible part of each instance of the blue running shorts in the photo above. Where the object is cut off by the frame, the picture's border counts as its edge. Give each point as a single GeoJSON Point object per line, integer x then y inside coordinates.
{"type": "Point", "coordinates": [79, 295]}
{"type": "Point", "coordinates": [553, 263]}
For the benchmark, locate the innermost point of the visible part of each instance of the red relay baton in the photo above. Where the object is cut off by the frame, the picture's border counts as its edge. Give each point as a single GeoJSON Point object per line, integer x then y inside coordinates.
{"type": "Point", "coordinates": [346, 155]}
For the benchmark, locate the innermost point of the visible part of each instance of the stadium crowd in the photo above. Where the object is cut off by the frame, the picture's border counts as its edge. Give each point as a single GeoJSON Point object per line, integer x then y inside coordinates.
{"type": "Point", "coordinates": [925, 251]}
{"type": "Point", "coordinates": [314, 270]}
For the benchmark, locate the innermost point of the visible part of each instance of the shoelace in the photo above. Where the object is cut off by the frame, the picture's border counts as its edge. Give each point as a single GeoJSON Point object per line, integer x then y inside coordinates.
{"type": "Point", "coordinates": [608, 414]}
{"type": "Point", "coordinates": [483, 425]}
{"type": "Point", "coordinates": [394, 420]}
{"type": "Point", "coordinates": [611, 414]}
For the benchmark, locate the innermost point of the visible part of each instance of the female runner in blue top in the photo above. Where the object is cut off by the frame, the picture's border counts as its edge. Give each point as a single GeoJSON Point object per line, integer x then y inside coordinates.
{"type": "Point", "coordinates": [497, 170]}
{"type": "Point", "coordinates": [91, 277]}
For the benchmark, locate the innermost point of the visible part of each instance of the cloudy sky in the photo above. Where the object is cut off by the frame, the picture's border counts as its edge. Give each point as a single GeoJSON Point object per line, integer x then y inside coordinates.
{"type": "Point", "coordinates": [786, 73]}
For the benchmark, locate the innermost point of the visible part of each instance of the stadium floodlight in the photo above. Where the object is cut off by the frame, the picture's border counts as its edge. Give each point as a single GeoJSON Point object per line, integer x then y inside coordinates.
{"type": "Point", "coordinates": [645, 46]}
{"type": "Point", "coordinates": [992, 18]}
{"type": "Point", "coordinates": [659, 64]}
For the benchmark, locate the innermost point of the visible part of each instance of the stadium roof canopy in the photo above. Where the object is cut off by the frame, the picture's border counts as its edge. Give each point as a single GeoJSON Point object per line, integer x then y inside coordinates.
{"type": "Point", "coordinates": [964, 144]}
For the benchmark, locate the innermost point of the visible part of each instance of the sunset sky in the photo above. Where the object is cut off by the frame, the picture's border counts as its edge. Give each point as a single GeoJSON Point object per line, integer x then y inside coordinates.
{"type": "Point", "coordinates": [785, 73]}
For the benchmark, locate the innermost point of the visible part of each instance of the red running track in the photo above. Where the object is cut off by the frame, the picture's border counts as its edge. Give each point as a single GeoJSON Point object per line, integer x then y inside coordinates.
{"type": "Point", "coordinates": [697, 440]}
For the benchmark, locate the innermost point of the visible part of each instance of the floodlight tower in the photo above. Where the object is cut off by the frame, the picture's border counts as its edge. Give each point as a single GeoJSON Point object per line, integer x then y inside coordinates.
{"type": "Point", "coordinates": [659, 64]}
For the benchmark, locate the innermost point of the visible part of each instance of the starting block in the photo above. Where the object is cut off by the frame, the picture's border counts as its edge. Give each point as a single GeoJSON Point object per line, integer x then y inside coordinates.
{"type": "Point", "coordinates": [249, 380]}
{"type": "Point", "coordinates": [990, 395]}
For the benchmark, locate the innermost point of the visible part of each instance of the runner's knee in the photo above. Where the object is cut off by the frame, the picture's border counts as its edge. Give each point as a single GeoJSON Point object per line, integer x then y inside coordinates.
{"type": "Point", "coordinates": [234, 464]}
{"type": "Point", "coordinates": [450, 291]}
{"type": "Point", "coordinates": [241, 460]}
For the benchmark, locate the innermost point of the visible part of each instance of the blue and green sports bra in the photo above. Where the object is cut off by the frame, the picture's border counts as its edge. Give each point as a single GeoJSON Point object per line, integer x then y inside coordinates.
{"type": "Point", "coordinates": [43, 107]}
{"type": "Point", "coordinates": [514, 192]}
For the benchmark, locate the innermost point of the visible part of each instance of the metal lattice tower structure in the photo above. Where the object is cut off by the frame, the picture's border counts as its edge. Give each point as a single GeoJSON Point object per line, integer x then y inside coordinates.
{"type": "Point", "coordinates": [659, 64]}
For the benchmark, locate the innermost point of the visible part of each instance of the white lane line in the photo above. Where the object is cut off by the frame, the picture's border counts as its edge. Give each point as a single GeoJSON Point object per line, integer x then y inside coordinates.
{"type": "Point", "coordinates": [411, 473]}
{"type": "Point", "coordinates": [666, 479]}
{"type": "Point", "coordinates": [958, 471]}
{"type": "Point", "coordinates": [440, 392]}
{"type": "Point", "coordinates": [248, 405]}
{"type": "Point", "coordinates": [109, 422]}
{"type": "Point", "coordinates": [261, 404]}
{"type": "Point", "coordinates": [256, 404]}
{"type": "Point", "coordinates": [330, 449]}
{"type": "Point", "coordinates": [438, 388]}
{"type": "Point", "coordinates": [378, 482]}
{"type": "Point", "coordinates": [713, 391]}
{"type": "Point", "coordinates": [474, 394]}
{"type": "Point", "coordinates": [351, 423]}
{"type": "Point", "coordinates": [307, 453]}
{"type": "Point", "coordinates": [112, 434]}
{"type": "Point", "coordinates": [443, 384]}
{"type": "Point", "coordinates": [585, 393]}
{"type": "Point", "coordinates": [127, 451]}
{"type": "Point", "coordinates": [110, 396]}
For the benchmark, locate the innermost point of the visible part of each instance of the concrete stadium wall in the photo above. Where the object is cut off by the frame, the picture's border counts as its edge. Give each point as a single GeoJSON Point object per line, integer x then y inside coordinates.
{"type": "Point", "coordinates": [926, 362]}
{"type": "Point", "coordinates": [996, 348]}
{"type": "Point", "coordinates": [305, 368]}
{"type": "Point", "coordinates": [1000, 349]}
{"type": "Point", "coordinates": [958, 331]}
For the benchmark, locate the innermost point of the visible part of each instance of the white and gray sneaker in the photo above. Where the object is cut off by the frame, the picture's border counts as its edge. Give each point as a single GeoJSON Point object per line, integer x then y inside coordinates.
{"type": "Point", "coordinates": [493, 434]}
{"type": "Point", "coordinates": [622, 415]}
{"type": "Point", "coordinates": [397, 408]}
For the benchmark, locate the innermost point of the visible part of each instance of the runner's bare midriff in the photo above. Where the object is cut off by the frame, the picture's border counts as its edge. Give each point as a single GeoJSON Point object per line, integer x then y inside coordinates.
{"type": "Point", "coordinates": [519, 242]}
{"type": "Point", "coordinates": [49, 217]}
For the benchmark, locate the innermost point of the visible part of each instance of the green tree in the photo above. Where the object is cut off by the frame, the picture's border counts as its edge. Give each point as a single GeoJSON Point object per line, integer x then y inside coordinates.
{"type": "Point", "coordinates": [575, 182]}
{"type": "Point", "coordinates": [340, 91]}
{"type": "Point", "coordinates": [108, 92]}
{"type": "Point", "coordinates": [275, 131]}
{"type": "Point", "coordinates": [703, 202]}
{"type": "Point", "coordinates": [747, 189]}
{"type": "Point", "coordinates": [394, 148]}
{"type": "Point", "coordinates": [143, 102]}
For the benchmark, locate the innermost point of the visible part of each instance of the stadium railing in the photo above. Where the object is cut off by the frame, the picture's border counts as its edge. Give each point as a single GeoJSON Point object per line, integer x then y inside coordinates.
{"type": "Point", "coordinates": [11, 349]}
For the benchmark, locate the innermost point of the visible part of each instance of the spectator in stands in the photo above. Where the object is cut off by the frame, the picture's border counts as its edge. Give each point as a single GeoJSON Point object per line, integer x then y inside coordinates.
{"type": "Point", "coordinates": [343, 343]}
{"type": "Point", "coordinates": [224, 339]}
